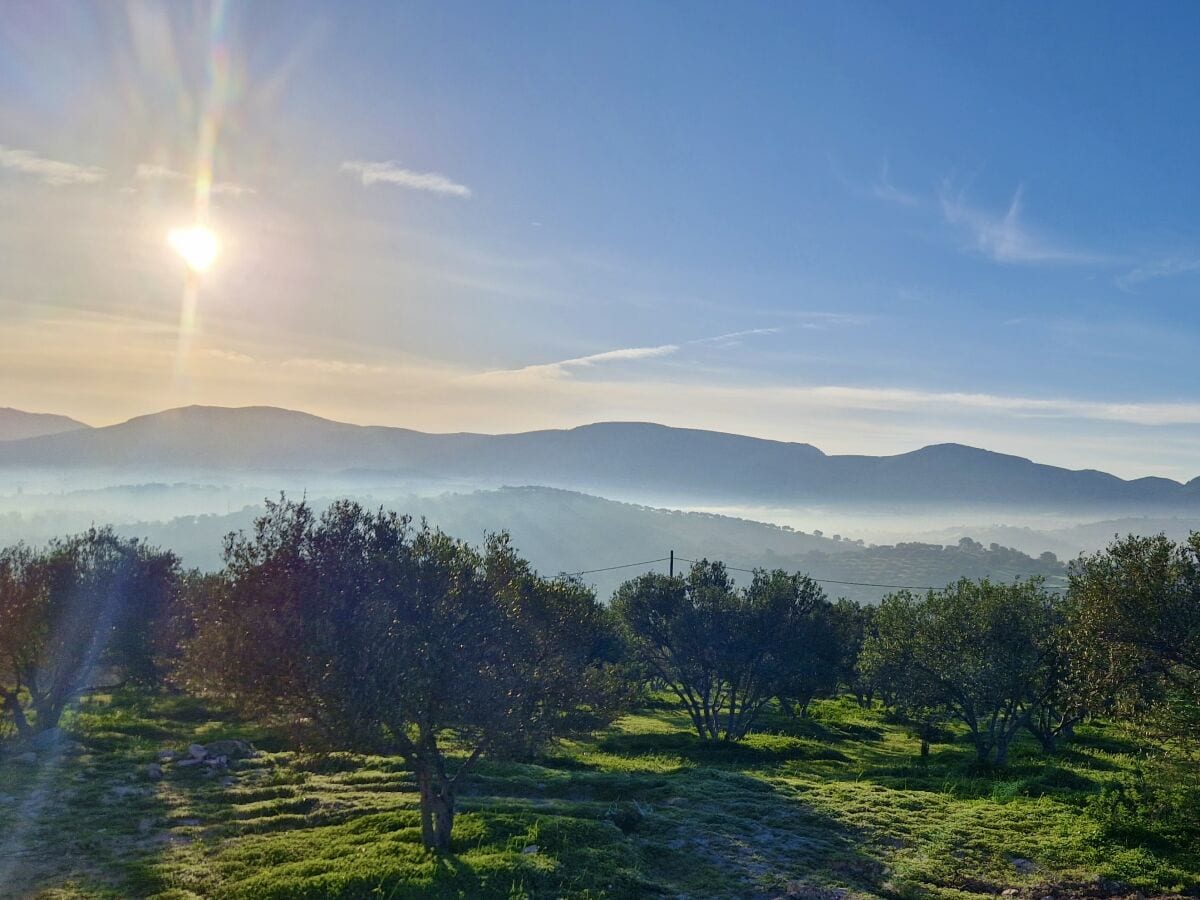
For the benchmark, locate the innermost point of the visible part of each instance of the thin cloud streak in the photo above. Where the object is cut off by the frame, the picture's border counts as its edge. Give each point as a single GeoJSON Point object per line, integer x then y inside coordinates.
{"type": "Point", "coordinates": [734, 335]}
{"type": "Point", "coordinates": [563, 367]}
{"type": "Point", "coordinates": [52, 171]}
{"type": "Point", "coordinates": [391, 172]}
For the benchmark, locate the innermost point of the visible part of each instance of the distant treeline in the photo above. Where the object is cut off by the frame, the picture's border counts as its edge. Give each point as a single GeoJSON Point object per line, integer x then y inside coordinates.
{"type": "Point", "coordinates": [357, 629]}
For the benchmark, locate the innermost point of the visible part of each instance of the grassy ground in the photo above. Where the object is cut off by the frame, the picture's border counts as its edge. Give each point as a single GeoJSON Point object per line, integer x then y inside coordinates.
{"type": "Point", "coordinates": [836, 805]}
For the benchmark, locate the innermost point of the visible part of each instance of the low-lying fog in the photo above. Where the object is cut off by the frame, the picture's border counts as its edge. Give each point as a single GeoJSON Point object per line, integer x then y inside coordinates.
{"type": "Point", "coordinates": [1028, 531]}
{"type": "Point", "coordinates": [564, 531]}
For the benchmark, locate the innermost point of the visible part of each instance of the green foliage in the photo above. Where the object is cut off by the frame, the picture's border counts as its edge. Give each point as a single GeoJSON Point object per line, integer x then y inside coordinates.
{"type": "Point", "coordinates": [726, 652]}
{"type": "Point", "coordinates": [978, 651]}
{"type": "Point", "coordinates": [71, 608]}
{"type": "Point", "coordinates": [1159, 803]}
{"type": "Point", "coordinates": [372, 636]}
{"type": "Point", "coordinates": [1135, 629]}
{"type": "Point", "coordinates": [431, 677]}
{"type": "Point", "coordinates": [851, 623]}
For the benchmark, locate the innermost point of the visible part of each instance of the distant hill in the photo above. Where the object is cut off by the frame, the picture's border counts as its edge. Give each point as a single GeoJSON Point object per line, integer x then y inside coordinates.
{"type": "Point", "coordinates": [16, 424]}
{"type": "Point", "coordinates": [612, 458]}
{"type": "Point", "coordinates": [564, 531]}
{"type": "Point", "coordinates": [1069, 541]}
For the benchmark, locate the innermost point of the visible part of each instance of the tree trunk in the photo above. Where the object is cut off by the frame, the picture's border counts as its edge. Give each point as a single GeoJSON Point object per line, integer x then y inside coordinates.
{"type": "Point", "coordinates": [1002, 750]}
{"type": "Point", "coordinates": [49, 714]}
{"type": "Point", "coordinates": [731, 719]}
{"type": "Point", "coordinates": [1047, 738]}
{"type": "Point", "coordinates": [443, 819]}
{"type": "Point", "coordinates": [426, 792]}
{"type": "Point", "coordinates": [13, 705]}
{"type": "Point", "coordinates": [983, 749]}
{"type": "Point", "coordinates": [437, 810]}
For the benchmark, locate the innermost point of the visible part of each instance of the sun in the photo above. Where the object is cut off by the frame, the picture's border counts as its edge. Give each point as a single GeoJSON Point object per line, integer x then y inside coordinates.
{"type": "Point", "coordinates": [197, 245]}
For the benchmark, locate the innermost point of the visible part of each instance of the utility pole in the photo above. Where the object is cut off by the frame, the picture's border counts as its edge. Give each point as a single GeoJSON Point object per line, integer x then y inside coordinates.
{"type": "Point", "coordinates": [672, 569]}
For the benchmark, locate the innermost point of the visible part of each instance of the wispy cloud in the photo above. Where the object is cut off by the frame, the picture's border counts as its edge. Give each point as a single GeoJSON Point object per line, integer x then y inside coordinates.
{"type": "Point", "coordinates": [392, 173]}
{"type": "Point", "coordinates": [158, 172]}
{"type": "Point", "coordinates": [881, 188]}
{"type": "Point", "coordinates": [564, 367]}
{"type": "Point", "coordinates": [52, 171]}
{"type": "Point", "coordinates": [1162, 268]}
{"type": "Point", "coordinates": [734, 335]}
{"type": "Point", "coordinates": [732, 338]}
{"type": "Point", "coordinates": [884, 189]}
{"type": "Point", "coordinates": [232, 189]}
{"type": "Point", "coordinates": [1004, 238]}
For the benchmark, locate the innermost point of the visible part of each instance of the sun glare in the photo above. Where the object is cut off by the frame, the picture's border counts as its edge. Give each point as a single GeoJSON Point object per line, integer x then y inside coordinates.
{"type": "Point", "coordinates": [197, 246]}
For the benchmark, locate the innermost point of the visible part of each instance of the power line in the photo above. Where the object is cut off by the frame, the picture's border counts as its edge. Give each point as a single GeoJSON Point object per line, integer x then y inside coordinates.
{"type": "Point", "coordinates": [647, 562]}
{"type": "Point", "coordinates": [911, 587]}
{"type": "Point", "coordinates": [673, 558]}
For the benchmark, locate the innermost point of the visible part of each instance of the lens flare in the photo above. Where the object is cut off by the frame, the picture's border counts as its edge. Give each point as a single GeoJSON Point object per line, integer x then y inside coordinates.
{"type": "Point", "coordinates": [197, 246]}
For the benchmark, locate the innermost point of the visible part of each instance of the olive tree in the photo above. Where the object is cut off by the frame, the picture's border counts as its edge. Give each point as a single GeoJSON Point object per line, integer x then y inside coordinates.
{"type": "Point", "coordinates": [1134, 615]}
{"type": "Point", "coordinates": [71, 609]}
{"type": "Point", "coordinates": [851, 623]}
{"type": "Point", "coordinates": [976, 651]}
{"type": "Point", "coordinates": [1061, 698]}
{"type": "Point", "coordinates": [725, 651]}
{"type": "Point", "coordinates": [371, 635]}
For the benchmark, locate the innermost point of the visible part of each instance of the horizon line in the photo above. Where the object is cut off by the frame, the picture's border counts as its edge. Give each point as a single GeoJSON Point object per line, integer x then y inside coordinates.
{"type": "Point", "coordinates": [645, 422]}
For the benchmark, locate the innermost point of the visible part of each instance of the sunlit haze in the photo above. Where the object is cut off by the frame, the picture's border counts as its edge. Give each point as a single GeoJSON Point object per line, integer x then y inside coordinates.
{"type": "Point", "coordinates": [638, 448]}
{"type": "Point", "coordinates": [866, 227]}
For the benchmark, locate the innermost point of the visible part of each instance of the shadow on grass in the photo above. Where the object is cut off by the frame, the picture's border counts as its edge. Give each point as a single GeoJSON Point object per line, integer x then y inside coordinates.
{"type": "Point", "coordinates": [757, 748]}
{"type": "Point", "coordinates": [1090, 738]}
{"type": "Point", "coordinates": [702, 831]}
{"type": "Point", "coordinates": [87, 817]}
{"type": "Point", "coordinates": [819, 730]}
{"type": "Point", "coordinates": [723, 833]}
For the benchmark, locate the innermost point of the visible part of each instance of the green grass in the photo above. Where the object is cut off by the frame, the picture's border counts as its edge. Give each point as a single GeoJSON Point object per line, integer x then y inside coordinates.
{"type": "Point", "coordinates": [840, 801]}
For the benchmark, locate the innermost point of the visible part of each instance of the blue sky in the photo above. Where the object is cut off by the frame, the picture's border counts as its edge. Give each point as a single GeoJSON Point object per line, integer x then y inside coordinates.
{"type": "Point", "coordinates": [866, 226]}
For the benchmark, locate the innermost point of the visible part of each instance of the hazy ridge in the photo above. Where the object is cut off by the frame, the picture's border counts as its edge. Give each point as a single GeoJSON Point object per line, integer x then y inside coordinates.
{"type": "Point", "coordinates": [612, 458]}
{"type": "Point", "coordinates": [16, 424]}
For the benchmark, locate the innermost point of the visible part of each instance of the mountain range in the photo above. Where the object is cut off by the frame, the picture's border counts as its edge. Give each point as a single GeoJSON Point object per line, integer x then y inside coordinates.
{"type": "Point", "coordinates": [16, 424]}
{"type": "Point", "coordinates": [611, 458]}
